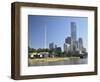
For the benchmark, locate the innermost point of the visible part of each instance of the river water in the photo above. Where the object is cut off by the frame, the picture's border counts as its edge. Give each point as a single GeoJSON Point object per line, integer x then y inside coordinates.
{"type": "Point", "coordinates": [64, 62]}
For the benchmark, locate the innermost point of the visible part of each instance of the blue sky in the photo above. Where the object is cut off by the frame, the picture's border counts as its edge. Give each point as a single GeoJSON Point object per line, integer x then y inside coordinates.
{"type": "Point", "coordinates": [57, 27]}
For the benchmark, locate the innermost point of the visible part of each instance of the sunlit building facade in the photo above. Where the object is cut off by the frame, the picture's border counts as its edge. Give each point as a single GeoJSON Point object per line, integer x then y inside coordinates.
{"type": "Point", "coordinates": [73, 37]}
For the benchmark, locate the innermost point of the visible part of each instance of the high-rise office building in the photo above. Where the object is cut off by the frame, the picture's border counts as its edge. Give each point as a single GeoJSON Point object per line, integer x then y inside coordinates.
{"type": "Point", "coordinates": [80, 44]}
{"type": "Point", "coordinates": [73, 37]}
{"type": "Point", "coordinates": [66, 47]}
{"type": "Point", "coordinates": [68, 40]}
{"type": "Point", "coordinates": [77, 47]}
{"type": "Point", "coordinates": [51, 46]}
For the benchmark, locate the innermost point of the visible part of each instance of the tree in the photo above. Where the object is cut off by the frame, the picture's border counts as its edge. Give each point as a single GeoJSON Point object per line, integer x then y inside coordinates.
{"type": "Point", "coordinates": [59, 51]}
{"type": "Point", "coordinates": [30, 50]}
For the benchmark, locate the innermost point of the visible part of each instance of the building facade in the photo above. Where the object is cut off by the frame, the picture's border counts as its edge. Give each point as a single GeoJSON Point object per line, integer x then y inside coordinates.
{"type": "Point", "coordinates": [80, 44]}
{"type": "Point", "coordinates": [51, 46]}
{"type": "Point", "coordinates": [68, 40]}
{"type": "Point", "coordinates": [73, 37]}
{"type": "Point", "coordinates": [66, 47]}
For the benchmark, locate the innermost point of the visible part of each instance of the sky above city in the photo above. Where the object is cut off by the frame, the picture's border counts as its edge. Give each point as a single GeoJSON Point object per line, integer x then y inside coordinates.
{"type": "Point", "coordinates": [57, 29]}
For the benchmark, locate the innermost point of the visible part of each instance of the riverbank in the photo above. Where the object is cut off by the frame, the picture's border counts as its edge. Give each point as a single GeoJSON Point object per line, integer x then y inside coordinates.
{"type": "Point", "coordinates": [31, 61]}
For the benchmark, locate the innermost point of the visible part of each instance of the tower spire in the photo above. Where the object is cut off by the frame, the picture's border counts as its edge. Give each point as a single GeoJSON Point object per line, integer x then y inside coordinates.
{"type": "Point", "coordinates": [45, 33]}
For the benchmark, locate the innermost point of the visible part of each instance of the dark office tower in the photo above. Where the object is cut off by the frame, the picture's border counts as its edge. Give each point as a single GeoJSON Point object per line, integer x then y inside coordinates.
{"type": "Point", "coordinates": [68, 40]}
{"type": "Point", "coordinates": [80, 44]}
{"type": "Point", "coordinates": [51, 46]}
{"type": "Point", "coordinates": [67, 45]}
{"type": "Point", "coordinates": [77, 46]}
{"type": "Point", "coordinates": [73, 36]}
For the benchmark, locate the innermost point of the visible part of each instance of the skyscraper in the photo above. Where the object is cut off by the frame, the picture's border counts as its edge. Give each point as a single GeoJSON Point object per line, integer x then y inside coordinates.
{"type": "Point", "coordinates": [68, 40]}
{"type": "Point", "coordinates": [80, 44]}
{"type": "Point", "coordinates": [73, 36]}
{"type": "Point", "coordinates": [51, 46]}
{"type": "Point", "coordinates": [66, 47]}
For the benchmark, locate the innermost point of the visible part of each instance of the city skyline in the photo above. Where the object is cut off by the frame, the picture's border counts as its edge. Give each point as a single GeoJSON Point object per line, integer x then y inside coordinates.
{"type": "Point", "coordinates": [57, 30]}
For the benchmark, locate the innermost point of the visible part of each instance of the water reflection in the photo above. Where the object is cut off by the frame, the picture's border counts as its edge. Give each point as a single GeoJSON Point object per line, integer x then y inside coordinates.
{"type": "Point", "coordinates": [64, 62]}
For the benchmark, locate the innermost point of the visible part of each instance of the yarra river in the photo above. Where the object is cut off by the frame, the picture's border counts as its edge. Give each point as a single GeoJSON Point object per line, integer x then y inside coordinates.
{"type": "Point", "coordinates": [73, 61]}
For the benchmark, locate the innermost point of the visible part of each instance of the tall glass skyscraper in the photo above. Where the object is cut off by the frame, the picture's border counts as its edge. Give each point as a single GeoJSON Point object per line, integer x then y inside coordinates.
{"type": "Point", "coordinates": [73, 36]}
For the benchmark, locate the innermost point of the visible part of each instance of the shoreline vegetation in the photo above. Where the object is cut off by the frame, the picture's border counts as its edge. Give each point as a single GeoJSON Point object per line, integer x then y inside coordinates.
{"type": "Point", "coordinates": [48, 59]}
{"type": "Point", "coordinates": [54, 55]}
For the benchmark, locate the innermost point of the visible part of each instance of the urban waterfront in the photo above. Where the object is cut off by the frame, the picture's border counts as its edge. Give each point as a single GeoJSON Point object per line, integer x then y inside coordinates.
{"type": "Point", "coordinates": [73, 61]}
{"type": "Point", "coordinates": [57, 40]}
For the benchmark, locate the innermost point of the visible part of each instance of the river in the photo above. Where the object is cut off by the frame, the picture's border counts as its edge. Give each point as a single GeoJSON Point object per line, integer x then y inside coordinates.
{"type": "Point", "coordinates": [64, 62]}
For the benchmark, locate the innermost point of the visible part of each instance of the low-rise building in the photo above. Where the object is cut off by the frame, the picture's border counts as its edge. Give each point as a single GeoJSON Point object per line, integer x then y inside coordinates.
{"type": "Point", "coordinates": [38, 55]}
